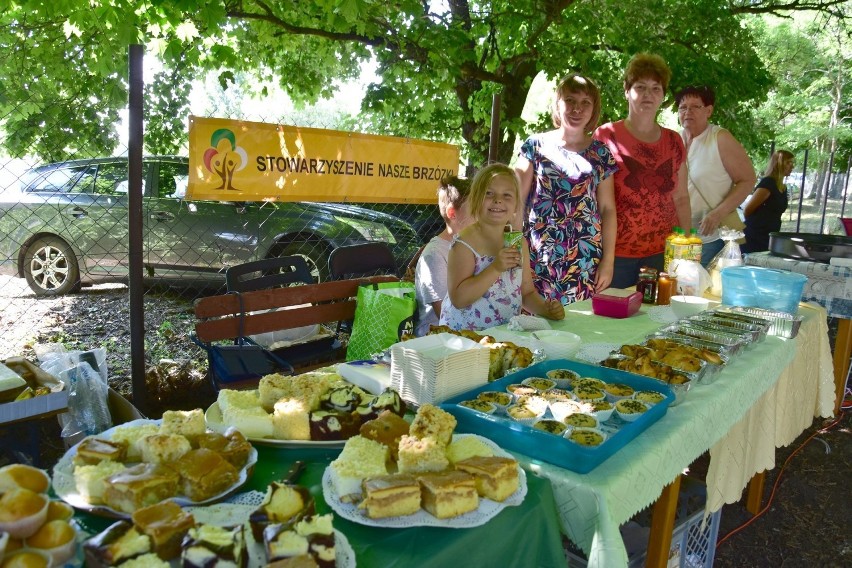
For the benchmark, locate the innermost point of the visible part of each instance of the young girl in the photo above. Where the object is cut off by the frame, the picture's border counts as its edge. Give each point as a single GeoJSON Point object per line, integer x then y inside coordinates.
{"type": "Point", "coordinates": [487, 282]}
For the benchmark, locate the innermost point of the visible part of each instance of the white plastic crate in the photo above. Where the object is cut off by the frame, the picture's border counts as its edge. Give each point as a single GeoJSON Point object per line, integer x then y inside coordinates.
{"type": "Point", "coordinates": [693, 540]}
{"type": "Point", "coordinates": [433, 368]}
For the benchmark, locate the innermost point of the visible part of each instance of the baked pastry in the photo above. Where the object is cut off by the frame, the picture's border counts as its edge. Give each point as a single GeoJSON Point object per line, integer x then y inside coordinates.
{"type": "Point", "coordinates": [94, 450]}
{"type": "Point", "coordinates": [283, 504]}
{"type": "Point", "coordinates": [18, 475]}
{"type": "Point", "coordinates": [166, 523]}
{"type": "Point", "coordinates": [359, 459]}
{"type": "Point", "coordinates": [290, 420]}
{"type": "Point", "coordinates": [57, 539]}
{"type": "Point", "coordinates": [131, 437]}
{"type": "Point", "coordinates": [163, 448]}
{"type": "Point", "coordinates": [22, 512]}
{"type": "Point", "coordinates": [496, 477]}
{"type": "Point", "coordinates": [431, 421]}
{"type": "Point", "coordinates": [231, 445]}
{"type": "Point", "coordinates": [467, 447]}
{"type": "Point", "coordinates": [448, 494]}
{"type": "Point", "coordinates": [117, 543]}
{"type": "Point", "coordinates": [312, 536]}
{"type": "Point", "coordinates": [333, 425]}
{"type": "Point", "coordinates": [139, 486]}
{"type": "Point", "coordinates": [421, 454]}
{"type": "Point", "coordinates": [90, 479]}
{"type": "Point", "coordinates": [390, 496]}
{"type": "Point", "coordinates": [204, 474]}
{"type": "Point", "coordinates": [206, 546]}
{"type": "Point", "coordinates": [187, 423]}
{"type": "Point", "coordinates": [387, 428]}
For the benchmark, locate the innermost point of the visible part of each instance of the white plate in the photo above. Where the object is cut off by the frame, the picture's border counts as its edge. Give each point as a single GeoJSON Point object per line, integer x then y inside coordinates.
{"type": "Point", "coordinates": [213, 416]}
{"type": "Point", "coordinates": [487, 510]}
{"type": "Point", "coordinates": [66, 488]}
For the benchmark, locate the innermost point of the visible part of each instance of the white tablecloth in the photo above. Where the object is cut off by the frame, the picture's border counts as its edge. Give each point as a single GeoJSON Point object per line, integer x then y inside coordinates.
{"type": "Point", "coordinates": [763, 399]}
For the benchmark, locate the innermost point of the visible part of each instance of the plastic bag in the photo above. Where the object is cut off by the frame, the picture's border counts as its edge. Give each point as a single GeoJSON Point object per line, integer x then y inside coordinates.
{"type": "Point", "coordinates": [692, 278]}
{"type": "Point", "coordinates": [383, 313]}
{"type": "Point", "coordinates": [730, 255]}
{"type": "Point", "coordinates": [85, 376]}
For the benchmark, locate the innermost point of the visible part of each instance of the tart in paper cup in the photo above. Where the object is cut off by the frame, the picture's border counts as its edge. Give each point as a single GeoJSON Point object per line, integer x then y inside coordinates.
{"type": "Point", "coordinates": [538, 403]}
{"type": "Point", "coordinates": [540, 384]}
{"type": "Point", "coordinates": [562, 408]}
{"type": "Point", "coordinates": [581, 420]}
{"type": "Point", "coordinates": [649, 397]}
{"type": "Point", "coordinates": [588, 382]}
{"type": "Point", "coordinates": [518, 391]}
{"type": "Point", "coordinates": [588, 394]}
{"type": "Point", "coordinates": [523, 414]}
{"type": "Point", "coordinates": [602, 410]}
{"type": "Point", "coordinates": [550, 426]}
{"type": "Point", "coordinates": [617, 391]}
{"type": "Point", "coordinates": [478, 405]}
{"type": "Point", "coordinates": [499, 399]}
{"type": "Point", "coordinates": [588, 437]}
{"type": "Point", "coordinates": [563, 377]}
{"type": "Point", "coordinates": [629, 409]}
{"type": "Point", "coordinates": [557, 394]}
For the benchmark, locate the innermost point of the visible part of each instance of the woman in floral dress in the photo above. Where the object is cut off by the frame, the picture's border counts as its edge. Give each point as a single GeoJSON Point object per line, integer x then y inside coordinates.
{"type": "Point", "coordinates": [567, 187]}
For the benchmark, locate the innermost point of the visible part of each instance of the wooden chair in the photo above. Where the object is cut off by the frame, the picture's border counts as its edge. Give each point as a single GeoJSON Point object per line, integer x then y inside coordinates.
{"type": "Point", "coordinates": [268, 273]}
{"type": "Point", "coordinates": [367, 259]}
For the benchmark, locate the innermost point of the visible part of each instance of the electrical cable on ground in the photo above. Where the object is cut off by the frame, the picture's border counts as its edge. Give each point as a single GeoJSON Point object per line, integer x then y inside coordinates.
{"type": "Point", "coordinates": [760, 513]}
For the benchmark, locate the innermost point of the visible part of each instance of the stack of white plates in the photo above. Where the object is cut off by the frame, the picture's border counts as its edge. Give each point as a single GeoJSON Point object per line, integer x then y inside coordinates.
{"type": "Point", "coordinates": [433, 368]}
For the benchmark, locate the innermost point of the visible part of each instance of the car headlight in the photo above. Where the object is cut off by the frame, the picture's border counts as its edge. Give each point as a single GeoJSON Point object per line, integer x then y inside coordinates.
{"type": "Point", "coordinates": [369, 230]}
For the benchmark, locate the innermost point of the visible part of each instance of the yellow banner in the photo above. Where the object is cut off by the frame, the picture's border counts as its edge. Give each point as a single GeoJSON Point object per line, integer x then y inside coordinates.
{"type": "Point", "coordinates": [235, 160]}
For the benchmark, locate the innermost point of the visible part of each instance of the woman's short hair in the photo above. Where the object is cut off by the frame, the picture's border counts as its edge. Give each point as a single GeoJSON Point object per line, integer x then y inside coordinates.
{"type": "Point", "coordinates": [482, 181]}
{"type": "Point", "coordinates": [453, 192]}
{"type": "Point", "coordinates": [705, 93]}
{"type": "Point", "coordinates": [647, 66]}
{"type": "Point", "coordinates": [575, 83]}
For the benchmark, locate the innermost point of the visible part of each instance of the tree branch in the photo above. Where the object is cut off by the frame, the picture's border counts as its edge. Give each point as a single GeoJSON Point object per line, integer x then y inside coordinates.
{"type": "Point", "coordinates": [777, 7]}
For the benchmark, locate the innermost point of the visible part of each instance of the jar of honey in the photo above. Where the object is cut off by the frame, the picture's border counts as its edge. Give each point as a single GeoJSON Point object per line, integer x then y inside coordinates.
{"type": "Point", "coordinates": [666, 286]}
{"type": "Point", "coordinates": [647, 284]}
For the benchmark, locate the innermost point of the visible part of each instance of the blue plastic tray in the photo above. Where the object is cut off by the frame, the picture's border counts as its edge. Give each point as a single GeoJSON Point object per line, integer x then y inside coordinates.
{"type": "Point", "coordinates": [526, 440]}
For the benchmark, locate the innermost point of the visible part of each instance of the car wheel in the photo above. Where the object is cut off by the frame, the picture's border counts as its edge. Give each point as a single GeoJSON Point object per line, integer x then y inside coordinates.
{"type": "Point", "coordinates": [50, 267]}
{"type": "Point", "coordinates": [314, 252]}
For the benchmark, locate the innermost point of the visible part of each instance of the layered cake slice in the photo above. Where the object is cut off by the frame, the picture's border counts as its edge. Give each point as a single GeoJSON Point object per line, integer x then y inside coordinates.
{"type": "Point", "coordinates": [448, 494]}
{"type": "Point", "coordinates": [118, 543]}
{"type": "Point", "coordinates": [311, 537]}
{"type": "Point", "coordinates": [496, 477]}
{"type": "Point", "coordinates": [283, 504]}
{"type": "Point", "coordinates": [418, 455]}
{"type": "Point", "coordinates": [165, 523]}
{"type": "Point", "coordinates": [391, 496]}
{"type": "Point", "coordinates": [360, 458]}
{"type": "Point", "coordinates": [209, 546]}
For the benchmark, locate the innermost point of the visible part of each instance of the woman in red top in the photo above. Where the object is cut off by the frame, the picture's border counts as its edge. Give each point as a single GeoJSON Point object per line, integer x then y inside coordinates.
{"type": "Point", "coordinates": [651, 195]}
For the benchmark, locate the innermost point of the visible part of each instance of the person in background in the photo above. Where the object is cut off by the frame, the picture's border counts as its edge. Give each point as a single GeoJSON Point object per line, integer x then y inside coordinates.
{"type": "Point", "coordinates": [430, 275]}
{"type": "Point", "coordinates": [650, 185]}
{"type": "Point", "coordinates": [719, 172]}
{"type": "Point", "coordinates": [487, 282]}
{"type": "Point", "coordinates": [768, 202]}
{"type": "Point", "coordinates": [567, 189]}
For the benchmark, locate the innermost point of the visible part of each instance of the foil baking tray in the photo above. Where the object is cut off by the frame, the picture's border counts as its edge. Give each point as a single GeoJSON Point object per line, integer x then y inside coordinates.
{"type": "Point", "coordinates": [689, 329]}
{"type": "Point", "coordinates": [694, 375]}
{"type": "Point", "coordinates": [782, 324]}
{"type": "Point", "coordinates": [756, 332]}
{"type": "Point", "coordinates": [711, 368]}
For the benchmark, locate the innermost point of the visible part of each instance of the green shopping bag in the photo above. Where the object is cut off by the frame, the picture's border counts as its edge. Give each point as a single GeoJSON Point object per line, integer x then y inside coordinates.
{"type": "Point", "coordinates": [383, 312]}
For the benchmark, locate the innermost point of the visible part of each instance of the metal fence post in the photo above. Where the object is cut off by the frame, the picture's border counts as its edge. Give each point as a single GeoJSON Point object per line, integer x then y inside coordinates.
{"type": "Point", "coordinates": [802, 190]}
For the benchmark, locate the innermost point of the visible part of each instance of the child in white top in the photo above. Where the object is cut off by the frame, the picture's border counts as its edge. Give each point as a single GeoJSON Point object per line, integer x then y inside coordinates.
{"type": "Point", "coordinates": [430, 276]}
{"type": "Point", "coordinates": [487, 282]}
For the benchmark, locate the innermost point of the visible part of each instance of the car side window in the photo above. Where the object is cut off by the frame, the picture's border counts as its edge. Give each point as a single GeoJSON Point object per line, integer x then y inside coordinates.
{"type": "Point", "coordinates": [72, 179]}
{"type": "Point", "coordinates": [173, 178]}
{"type": "Point", "coordinates": [112, 179]}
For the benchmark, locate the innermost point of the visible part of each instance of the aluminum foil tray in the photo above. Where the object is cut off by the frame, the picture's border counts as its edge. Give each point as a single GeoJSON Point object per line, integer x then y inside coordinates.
{"type": "Point", "coordinates": [711, 369]}
{"type": "Point", "coordinates": [694, 376]}
{"type": "Point", "coordinates": [756, 332]}
{"type": "Point", "coordinates": [781, 324]}
{"type": "Point", "coordinates": [690, 329]}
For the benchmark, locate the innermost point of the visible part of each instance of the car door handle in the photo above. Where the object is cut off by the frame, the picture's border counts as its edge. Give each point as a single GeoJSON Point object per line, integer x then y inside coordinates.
{"type": "Point", "coordinates": [162, 216]}
{"type": "Point", "coordinates": [78, 212]}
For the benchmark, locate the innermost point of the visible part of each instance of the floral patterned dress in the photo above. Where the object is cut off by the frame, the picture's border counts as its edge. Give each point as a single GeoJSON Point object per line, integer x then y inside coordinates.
{"type": "Point", "coordinates": [497, 306]}
{"type": "Point", "coordinates": [563, 224]}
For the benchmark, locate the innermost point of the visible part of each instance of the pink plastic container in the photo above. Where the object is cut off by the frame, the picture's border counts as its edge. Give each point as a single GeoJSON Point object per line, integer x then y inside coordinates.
{"type": "Point", "coordinates": [617, 303]}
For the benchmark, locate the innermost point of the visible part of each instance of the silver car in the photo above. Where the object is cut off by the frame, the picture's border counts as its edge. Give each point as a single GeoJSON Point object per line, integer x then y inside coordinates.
{"type": "Point", "coordinates": [68, 227]}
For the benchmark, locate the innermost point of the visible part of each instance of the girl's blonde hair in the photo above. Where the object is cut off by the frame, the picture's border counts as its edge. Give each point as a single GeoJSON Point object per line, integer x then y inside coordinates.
{"type": "Point", "coordinates": [575, 83]}
{"type": "Point", "coordinates": [482, 181]}
{"type": "Point", "coordinates": [775, 169]}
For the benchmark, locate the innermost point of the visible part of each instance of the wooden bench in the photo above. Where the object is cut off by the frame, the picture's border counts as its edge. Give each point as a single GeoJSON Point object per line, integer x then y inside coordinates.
{"type": "Point", "coordinates": [218, 317]}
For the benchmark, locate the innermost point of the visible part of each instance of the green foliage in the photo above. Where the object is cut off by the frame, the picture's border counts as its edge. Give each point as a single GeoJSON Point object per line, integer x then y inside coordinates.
{"type": "Point", "coordinates": [441, 64]}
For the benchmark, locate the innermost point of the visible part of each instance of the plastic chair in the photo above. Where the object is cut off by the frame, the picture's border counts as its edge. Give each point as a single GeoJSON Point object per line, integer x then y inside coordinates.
{"type": "Point", "coordinates": [847, 225]}
{"type": "Point", "coordinates": [367, 259]}
{"type": "Point", "coordinates": [271, 272]}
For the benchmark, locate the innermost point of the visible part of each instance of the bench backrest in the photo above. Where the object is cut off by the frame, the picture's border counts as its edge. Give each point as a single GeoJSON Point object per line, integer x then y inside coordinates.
{"type": "Point", "coordinates": [328, 302]}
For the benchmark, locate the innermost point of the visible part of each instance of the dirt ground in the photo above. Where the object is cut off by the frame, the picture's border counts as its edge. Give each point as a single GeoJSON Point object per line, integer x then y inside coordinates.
{"type": "Point", "coordinates": [806, 523]}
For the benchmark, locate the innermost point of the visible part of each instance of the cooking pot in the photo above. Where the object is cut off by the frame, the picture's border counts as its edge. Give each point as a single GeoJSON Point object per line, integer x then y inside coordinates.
{"type": "Point", "coordinates": [810, 246]}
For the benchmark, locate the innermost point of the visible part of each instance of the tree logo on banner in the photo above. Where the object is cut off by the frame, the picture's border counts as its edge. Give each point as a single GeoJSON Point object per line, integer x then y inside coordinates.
{"type": "Point", "coordinates": [224, 157]}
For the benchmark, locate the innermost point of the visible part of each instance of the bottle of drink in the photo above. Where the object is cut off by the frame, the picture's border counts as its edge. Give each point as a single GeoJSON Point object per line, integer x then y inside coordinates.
{"type": "Point", "coordinates": [668, 255]}
{"type": "Point", "coordinates": [680, 248]}
{"type": "Point", "coordinates": [695, 245]}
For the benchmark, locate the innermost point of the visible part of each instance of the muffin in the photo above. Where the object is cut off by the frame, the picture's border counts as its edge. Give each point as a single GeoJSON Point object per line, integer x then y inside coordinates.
{"type": "Point", "coordinates": [649, 397]}
{"type": "Point", "coordinates": [518, 391]}
{"type": "Point", "coordinates": [629, 409]}
{"type": "Point", "coordinates": [523, 414]}
{"type": "Point", "coordinates": [550, 426]}
{"type": "Point", "coordinates": [556, 394]}
{"type": "Point", "coordinates": [541, 384]}
{"type": "Point", "coordinates": [588, 394]}
{"type": "Point", "coordinates": [588, 382]}
{"type": "Point", "coordinates": [602, 410]}
{"type": "Point", "coordinates": [562, 408]}
{"type": "Point", "coordinates": [617, 391]}
{"type": "Point", "coordinates": [580, 421]}
{"type": "Point", "coordinates": [537, 403]}
{"type": "Point", "coordinates": [479, 406]}
{"type": "Point", "coordinates": [586, 437]}
{"type": "Point", "coordinates": [563, 377]}
{"type": "Point", "coordinates": [499, 399]}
